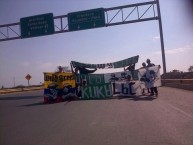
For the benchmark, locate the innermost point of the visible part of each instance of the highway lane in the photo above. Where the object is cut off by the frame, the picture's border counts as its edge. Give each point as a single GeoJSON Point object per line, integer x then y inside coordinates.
{"type": "Point", "coordinates": [167, 120]}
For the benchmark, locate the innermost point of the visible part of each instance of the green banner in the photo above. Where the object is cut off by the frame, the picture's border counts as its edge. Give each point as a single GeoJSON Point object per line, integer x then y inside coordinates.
{"type": "Point", "coordinates": [97, 91]}
{"type": "Point", "coordinates": [91, 79]}
{"type": "Point", "coordinates": [126, 62]}
{"type": "Point", "coordinates": [118, 64]}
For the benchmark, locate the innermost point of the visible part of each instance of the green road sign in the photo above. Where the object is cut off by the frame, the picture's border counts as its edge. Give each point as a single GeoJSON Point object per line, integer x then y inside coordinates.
{"type": "Point", "coordinates": [86, 19]}
{"type": "Point", "coordinates": [38, 25]}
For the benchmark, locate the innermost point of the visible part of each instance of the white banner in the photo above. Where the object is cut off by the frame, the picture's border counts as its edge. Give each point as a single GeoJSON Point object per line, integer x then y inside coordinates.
{"type": "Point", "coordinates": [123, 83]}
{"type": "Point", "coordinates": [120, 76]}
{"type": "Point", "coordinates": [150, 77]}
{"type": "Point", "coordinates": [127, 88]}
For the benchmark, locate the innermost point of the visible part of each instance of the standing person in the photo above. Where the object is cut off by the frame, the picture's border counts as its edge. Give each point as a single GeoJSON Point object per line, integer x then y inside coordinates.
{"type": "Point", "coordinates": [131, 67]}
{"type": "Point", "coordinates": [149, 64]}
{"type": "Point", "coordinates": [60, 69]}
{"type": "Point", "coordinates": [153, 89]}
{"type": "Point", "coordinates": [144, 66]}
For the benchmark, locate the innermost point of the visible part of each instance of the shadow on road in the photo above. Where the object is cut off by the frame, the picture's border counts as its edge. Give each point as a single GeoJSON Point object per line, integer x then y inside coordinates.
{"type": "Point", "coordinates": [143, 98]}
{"type": "Point", "coordinates": [138, 98]}
{"type": "Point", "coordinates": [33, 104]}
{"type": "Point", "coordinates": [19, 97]}
{"type": "Point", "coordinates": [132, 98]}
{"type": "Point", "coordinates": [36, 104]}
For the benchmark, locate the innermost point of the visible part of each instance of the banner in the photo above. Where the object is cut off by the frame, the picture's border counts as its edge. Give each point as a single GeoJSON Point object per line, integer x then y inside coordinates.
{"type": "Point", "coordinates": [150, 77]}
{"type": "Point", "coordinates": [90, 79]}
{"type": "Point", "coordinates": [126, 62]}
{"type": "Point", "coordinates": [127, 88]}
{"type": "Point", "coordinates": [96, 91]}
{"type": "Point", "coordinates": [108, 90]}
{"type": "Point", "coordinates": [58, 80]}
{"type": "Point", "coordinates": [118, 64]}
{"type": "Point", "coordinates": [100, 86]}
{"type": "Point", "coordinates": [121, 76]}
{"type": "Point", "coordinates": [59, 85]}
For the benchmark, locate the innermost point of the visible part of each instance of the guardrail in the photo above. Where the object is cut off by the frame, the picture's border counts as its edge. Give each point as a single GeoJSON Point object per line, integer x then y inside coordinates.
{"type": "Point", "coordinates": [186, 84]}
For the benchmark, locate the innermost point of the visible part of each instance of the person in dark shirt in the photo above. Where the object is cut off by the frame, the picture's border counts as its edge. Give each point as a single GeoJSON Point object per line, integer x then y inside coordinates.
{"type": "Point", "coordinates": [131, 67]}
{"type": "Point", "coordinates": [152, 89]}
{"type": "Point", "coordinates": [83, 70]}
{"type": "Point", "coordinates": [149, 64]}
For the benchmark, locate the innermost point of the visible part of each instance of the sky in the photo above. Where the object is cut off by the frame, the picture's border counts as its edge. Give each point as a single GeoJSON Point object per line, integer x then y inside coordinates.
{"type": "Point", "coordinates": [37, 55]}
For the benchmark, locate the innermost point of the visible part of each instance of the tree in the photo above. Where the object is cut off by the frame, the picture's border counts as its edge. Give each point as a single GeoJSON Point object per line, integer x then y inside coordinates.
{"type": "Point", "coordinates": [190, 69]}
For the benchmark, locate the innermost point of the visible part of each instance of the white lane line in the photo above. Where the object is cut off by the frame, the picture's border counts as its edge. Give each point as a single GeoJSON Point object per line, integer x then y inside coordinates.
{"type": "Point", "coordinates": [181, 111]}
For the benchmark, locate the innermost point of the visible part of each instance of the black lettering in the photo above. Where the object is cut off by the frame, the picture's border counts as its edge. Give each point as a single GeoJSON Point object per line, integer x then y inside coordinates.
{"type": "Point", "coordinates": [124, 89]}
{"type": "Point", "coordinates": [55, 78]}
{"type": "Point", "coordinates": [130, 88]}
{"type": "Point", "coordinates": [68, 77]}
{"type": "Point", "coordinates": [114, 91]}
{"type": "Point", "coordinates": [46, 78]}
{"type": "Point", "coordinates": [64, 78]}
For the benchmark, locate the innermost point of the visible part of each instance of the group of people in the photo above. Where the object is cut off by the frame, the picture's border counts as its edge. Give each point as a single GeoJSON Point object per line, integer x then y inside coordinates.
{"type": "Point", "coordinates": [151, 90]}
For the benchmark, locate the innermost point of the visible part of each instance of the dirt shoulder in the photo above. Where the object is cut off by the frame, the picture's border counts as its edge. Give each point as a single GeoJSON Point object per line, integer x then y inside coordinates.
{"type": "Point", "coordinates": [14, 90]}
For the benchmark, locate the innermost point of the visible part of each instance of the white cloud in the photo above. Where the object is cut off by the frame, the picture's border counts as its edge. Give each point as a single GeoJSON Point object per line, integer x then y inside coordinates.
{"type": "Point", "coordinates": [25, 64]}
{"type": "Point", "coordinates": [176, 50]}
{"type": "Point", "coordinates": [155, 38]}
{"type": "Point", "coordinates": [44, 64]}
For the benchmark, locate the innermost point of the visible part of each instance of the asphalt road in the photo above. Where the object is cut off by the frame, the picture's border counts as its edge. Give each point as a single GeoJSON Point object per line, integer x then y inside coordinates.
{"type": "Point", "coordinates": [167, 120]}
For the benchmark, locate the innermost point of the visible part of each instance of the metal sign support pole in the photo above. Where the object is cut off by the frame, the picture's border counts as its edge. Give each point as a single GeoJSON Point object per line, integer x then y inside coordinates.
{"type": "Point", "coordinates": [161, 37]}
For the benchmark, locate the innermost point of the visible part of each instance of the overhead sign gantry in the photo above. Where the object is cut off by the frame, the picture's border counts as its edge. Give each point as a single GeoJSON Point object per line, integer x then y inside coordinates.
{"type": "Point", "coordinates": [101, 17]}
